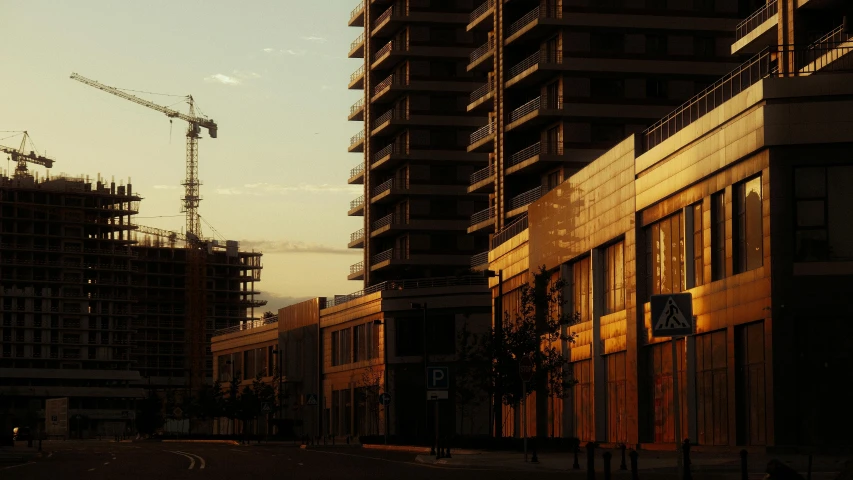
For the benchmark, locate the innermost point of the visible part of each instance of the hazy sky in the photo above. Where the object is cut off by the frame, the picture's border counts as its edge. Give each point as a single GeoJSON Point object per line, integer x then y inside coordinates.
{"type": "Point", "coordinates": [273, 74]}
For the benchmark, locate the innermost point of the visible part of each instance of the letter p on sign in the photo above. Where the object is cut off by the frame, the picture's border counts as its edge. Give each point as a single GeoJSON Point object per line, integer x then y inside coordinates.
{"type": "Point", "coordinates": [438, 378]}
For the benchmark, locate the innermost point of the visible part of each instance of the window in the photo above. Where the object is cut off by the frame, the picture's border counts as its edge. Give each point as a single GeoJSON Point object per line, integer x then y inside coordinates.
{"type": "Point", "coordinates": [341, 347]}
{"type": "Point", "coordinates": [359, 336]}
{"type": "Point", "coordinates": [581, 288]}
{"type": "Point", "coordinates": [605, 132]}
{"type": "Point", "coordinates": [666, 256]}
{"type": "Point", "coordinates": [718, 236]}
{"type": "Point", "coordinates": [442, 338]}
{"type": "Point", "coordinates": [553, 179]}
{"type": "Point", "coordinates": [409, 335]}
{"type": "Point", "coordinates": [607, 88]}
{"type": "Point", "coordinates": [712, 389]}
{"type": "Point", "coordinates": [607, 42]}
{"type": "Point", "coordinates": [656, 88]}
{"type": "Point", "coordinates": [698, 247]}
{"type": "Point", "coordinates": [705, 47]}
{"type": "Point", "coordinates": [749, 253]}
{"type": "Point", "coordinates": [656, 44]}
{"type": "Point", "coordinates": [823, 202]}
{"type": "Point", "coordinates": [375, 331]}
{"type": "Point", "coordinates": [614, 275]}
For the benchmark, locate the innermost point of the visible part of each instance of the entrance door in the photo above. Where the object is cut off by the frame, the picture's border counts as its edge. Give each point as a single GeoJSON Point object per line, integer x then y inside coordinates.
{"type": "Point", "coordinates": [750, 392]}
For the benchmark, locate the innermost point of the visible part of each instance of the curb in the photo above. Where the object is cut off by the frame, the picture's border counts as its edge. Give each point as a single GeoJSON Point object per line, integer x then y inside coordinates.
{"type": "Point", "coordinates": [312, 447]}
{"type": "Point", "coordinates": [414, 449]}
{"type": "Point", "coordinates": [221, 442]}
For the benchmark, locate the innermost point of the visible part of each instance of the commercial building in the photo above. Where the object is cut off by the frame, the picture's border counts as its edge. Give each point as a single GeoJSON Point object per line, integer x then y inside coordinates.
{"type": "Point", "coordinates": [738, 197]}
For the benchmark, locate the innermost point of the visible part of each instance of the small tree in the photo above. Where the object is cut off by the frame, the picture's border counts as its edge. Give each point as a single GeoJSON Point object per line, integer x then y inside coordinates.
{"type": "Point", "coordinates": [231, 403]}
{"type": "Point", "coordinates": [370, 386]}
{"type": "Point", "coordinates": [472, 375]}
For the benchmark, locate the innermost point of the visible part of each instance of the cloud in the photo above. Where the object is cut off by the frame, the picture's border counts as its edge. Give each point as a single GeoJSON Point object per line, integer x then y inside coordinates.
{"type": "Point", "coordinates": [314, 38]}
{"type": "Point", "coordinates": [223, 79]}
{"type": "Point", "coordinates": [284, 51]}
{"type": "Point", "coordinates": [165, 187]}
{"type": "Point", "coordinates": [273, 188]}
{"type": "Point", "coordinates": [228, 191]}
{"type": "Point", "coordinates": [268, 50]}
{"type": "Point", "coordinates": [288, 246]}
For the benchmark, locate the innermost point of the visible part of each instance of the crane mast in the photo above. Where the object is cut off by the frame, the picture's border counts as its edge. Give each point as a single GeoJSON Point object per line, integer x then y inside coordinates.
{"type": "Point", "coordinates": [21, 157]}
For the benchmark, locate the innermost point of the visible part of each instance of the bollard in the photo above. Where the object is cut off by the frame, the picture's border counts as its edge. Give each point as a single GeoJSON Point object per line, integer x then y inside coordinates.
{"type": "Point", "coordinates": [744, 473]}
{"type": "Point", "coordinates": [685, 450]}
{"type": "Point", "coordinates": [622, 465]}
{"type": "Point", "coordinates": [447, 450]}
{"type": "Point", "coordinates": [607, 457]}
{"type": "Point", "coordinates": [808, 472]}
{"type": "Point", "coordinates": [634, 474]}
{"type": "Point", "coordinates": [437, 449]}
{"type": "Point", "coordinates": [534, 458]}
{"type": "Point", "coordinates": [577, 447]}
{"type": "Point", "coordinates": [590, 461]}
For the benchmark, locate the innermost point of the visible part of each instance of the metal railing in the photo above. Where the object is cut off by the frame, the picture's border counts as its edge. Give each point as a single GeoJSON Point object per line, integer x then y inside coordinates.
{"type": "Point", "coordinates": [356, 235]}
{"type": "Point", "coordinates": [383, 256]}
{"type": "Point", "coordinates": [384, 152]}
{"type": "Point", "coordinates": [384, 84]}
{"type": "Point", "coordinates": [390, 219]}
{"type": "Point", "coordinates": [385, 117]}
{"type": "Point", "coordinates": [525, 109]}
{"type": "Point", "coordinates": [384, 16]}
{"type": "Point", "coordinates": [357, 138]}
{"type": "Point", "coordinates": [358, 40]}
{"type": "Point", "coordinates": [831, 41]}
{"type": "Point", "coordinates": [525, 153]}
{"type": "Point", "coordinates": [358, 170]}
{"type": "Point", "coordinates": [356, 107]}
{"type": "Point", "coordinates": [526, 198]}
{"type": "Point", "coordinates": [411, 284]}
{"type": "Point", "coordinates": [535, 59]}
{"type": "Point", "coordinates": [358, 9]}
{"type": "Point", "coordinates": [383, 187]}
{"type": "Point", "coordinates": [357, 73]}
{"type": "Point", "coordinates": [479, 11]}
{"type": "Point", "coordinates": [384, 50]}
{"type": "Point", "coordinates": [480, 92]}
{"type": "Point", "coordinates": [482, 133]}
{"type": "Point", "coordinates": [358, 202]}
{"type": "Point", "coordinates": [356, 267]}
{"type": "Point", "coordinates": [482, 50]}
{"type": "Point", "coordinates": [760, 16]}
{"type": "Point", "coordinates": [482, 174]}
{"type": "Point", "coordinates": [482, 216]}
{"type": "Point", "coordinates": [535, 14]}
{"type": "Point", "coordinates": [247, 325]}
{"type": "Point", "coordinates": [479, 259]}
{"type": "Point", "coordinates": [509, 231]}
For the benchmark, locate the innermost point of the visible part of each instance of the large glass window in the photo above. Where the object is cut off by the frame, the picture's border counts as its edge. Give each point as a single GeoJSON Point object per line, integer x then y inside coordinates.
{"type": "Point", "coordinates": [698, 247]}
{"type": "Point", "coordinates": [749, 240]}
{"type": "Point", "coordinates": [666, 255]}
{"type": "Point", "coordinates": [341, 347]}
{"type": "Point", "coordinates": [581, 288]}
{"type": "Point", "coordinates": [718, 236]}
{"type": "Point", "coordinates": [824, 199]}
{"type": "Point", "coordinates": [614, 277]}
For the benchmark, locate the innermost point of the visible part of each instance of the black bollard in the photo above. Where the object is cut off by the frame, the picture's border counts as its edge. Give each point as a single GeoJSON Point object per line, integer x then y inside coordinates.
{"type": "Point", "coordinates": [437, 449]}
{"type": "Point", "coordinates": [635, 475]}
{"type": "Point", "coordinates": [685, 450]}
{"type": "Point", "coordinates": [432, 449]}
{"type": "Point", "coordinates": [622, 465]}
{"type": "Point", "coordinates": [447, 449]}
{"type": "Point", "coordinates": [744, 472]}
{"type": "Point", "coordinates": [577, 447]}
{"type": "Point", "coordinates": [808, 472]}
{"type": "Point", "coordinates": [607, 457]}
{"type": "Point", "coordinates": [590, 461]}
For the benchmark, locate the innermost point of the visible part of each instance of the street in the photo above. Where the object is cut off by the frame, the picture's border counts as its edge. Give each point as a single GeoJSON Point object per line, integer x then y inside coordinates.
{"type": "Point", "coordinates": [161, 461]}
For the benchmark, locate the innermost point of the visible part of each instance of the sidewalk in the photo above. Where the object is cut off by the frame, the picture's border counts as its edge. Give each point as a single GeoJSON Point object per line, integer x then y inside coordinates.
{"type": "Point", "coordinates": [661, 465]}
{"type": "Point", "coordinates": [20, 453]}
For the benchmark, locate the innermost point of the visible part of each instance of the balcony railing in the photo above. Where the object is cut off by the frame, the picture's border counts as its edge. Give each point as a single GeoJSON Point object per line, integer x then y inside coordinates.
{"type": "Point", "coordinates": [390, 219]}
{"type": "Point", "coordinates": [357, 10]}
{"type": "Point", "coordinates": [531, 16]}
{"type": "Point", "coordinates": [358, 202]}
{"type": "Point", "coordinates": [358, 170]}
{"type": "Point", "coordinates": [535, 59]}
{"type": "Point", "coordinates": [482, 216]}
{"type": "Point", "coordinates": [355, 268]}
{"type": "Point", "coordinates": [824, 44]}
{"type": "Point", "coordinates": [356, 235]}
{"type": "Point", "coordinates": [384, 50]}
{"type": "Point", "coordinates": [411, 284]}
{"type": "Point", "coordinates": [384, 186]}
{"type": "Point", "coordinates": [479, 11]}
{"type": "Point", "coordinates": [526, 198]}
{"type": "Point", "coordinates": [385, 117]}
{"type": "Point", "coordinates": [357, 73]}
{"type": "Point", "coordinates": [509, 231]}
{"type": "Point", "coordinates": [479, 259]}
{"type": "Point", "coordinates": [385, 16]}
{"type": "Point", "coordinates": [764, 13]}
{"type": "Point", "coordinates": [358, 40]}
{"type": "Point", "coordinates": [481, 92]}
{"type": "Point", "coordinates": [357, 138]}
{"type": "Point", "coordinates": [482, 133]}
{"type": "Point", "coordinates": [525, 109]}
{"type": "Point", "coordinates": [482, 174]}
{"type": "Point", "coordinates": [538, 148]}
{"type": "Point", "coordinates": [383, 256]}
{"type": "Point", "coordinates": [387, 150]}
{"type": "Point", "coordinates": [482, 50]}
{"type": "Point", "coordinates": [356, 107]}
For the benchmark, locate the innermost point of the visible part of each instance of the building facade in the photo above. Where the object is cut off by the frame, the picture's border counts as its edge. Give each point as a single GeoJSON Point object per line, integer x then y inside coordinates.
{"type": "Point", "coordinates": [737, 198]}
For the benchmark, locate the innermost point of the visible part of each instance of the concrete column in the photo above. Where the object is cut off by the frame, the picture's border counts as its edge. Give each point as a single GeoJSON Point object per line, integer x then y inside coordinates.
{"type": "Point", "coordinates": [599, 387]}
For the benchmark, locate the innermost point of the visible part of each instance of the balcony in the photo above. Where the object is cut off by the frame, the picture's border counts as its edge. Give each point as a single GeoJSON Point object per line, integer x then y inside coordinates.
{"type": "Point", "coordinates": [509, 231]}
{"type": "Point", "coordinates": [383, 123]}
{"type": "Point", "coordinates": [356, 175]}
{"type": "Point", "coordinates": [356, 79]}
{"type": "Point", "coordinates": [356, 17]}
{"type": "Point", "coordinates": [356, 111]}
{"type": "Point", "coordinates": [356, 142]}
{"type": "Point", "coordinates": [529, 26]}
{"type": "Point", "coordinates": [481, 15]}
{"type": "Point", "coordinates": [483, 181]}
{"type": "Point", "coordinates": [385, 90]}
{"type": "Point", "coordinates": [356, 48]}
{"type": "Point", "coordinates": [385, 257]}
{"type": "Point", "coordinates": [480, 261]}
{"type": "Point", "coordinates": [484, 219]}
{"type": "Point", "coordinates": [386, 189]}
{"type": "Point", "coordinates": [519, 203]}
{"type": "Point", "coordinates": [356, 207]}
{"type": "Point", "coordinates": [480, 96]}
{"type": "Point", "coordinates": [385, 24]}
{"type": "Point", "coordinates": [758, 31]}
{"type": "Point", "coordinates": [535, 157]}
{"type": "Point", "coordinates": [481, 138]}
{"type": "Point", "coordinates": [386, 224]}
{"type": "Point", "coordinates": [826, 52]}
{"type": "Point", "coordinates": [356, 239]}
{"type": "Point", "coordinates": [382, 57]}
{"type": "Point", "coordinates": [480, 58]}
{"type": "Point", "coordinates": [534, 67]}
{"type": "Point", "coordinates": [356, 271]}
{"type": "Point", "coordinates": [535, 112]}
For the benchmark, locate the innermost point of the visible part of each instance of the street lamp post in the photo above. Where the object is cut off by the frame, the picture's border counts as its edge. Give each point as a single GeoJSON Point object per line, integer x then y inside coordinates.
{"type": "Point", "coordinates": [278, 353]}
{"type": "Point", "coordinates": [377, 323]}
{"type": "Point", "coordinates": [423, 306]}
{"type": "Point", "coordinates": [499, 334]}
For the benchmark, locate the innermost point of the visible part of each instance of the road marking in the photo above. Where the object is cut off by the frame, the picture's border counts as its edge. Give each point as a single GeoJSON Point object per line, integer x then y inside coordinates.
{"type": "Point", "coordinates": [192, 457]}
{"type": "Point", "coordinates": [49, 454]}
{"type": "Point", "coordinates": [91, 469]}
{"type": "Point", "coordinates": [16, 466]}
{"type": "Point", "coordinates": [192, 460]}
{"type": "Point", "coordinates": [106, 463]}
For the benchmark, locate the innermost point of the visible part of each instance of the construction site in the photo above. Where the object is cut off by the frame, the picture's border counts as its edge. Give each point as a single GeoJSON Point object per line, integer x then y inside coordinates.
{"type": "Point", "coordinates": [101, 311]}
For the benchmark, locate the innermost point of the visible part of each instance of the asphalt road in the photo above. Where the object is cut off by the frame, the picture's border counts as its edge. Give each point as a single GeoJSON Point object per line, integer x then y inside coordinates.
{"type": "Point", "coordinates": [166, 461]}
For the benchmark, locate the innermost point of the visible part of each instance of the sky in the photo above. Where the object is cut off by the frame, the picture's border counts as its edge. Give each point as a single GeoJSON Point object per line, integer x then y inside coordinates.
{"type": "Point", "coordinates": [273, 74]}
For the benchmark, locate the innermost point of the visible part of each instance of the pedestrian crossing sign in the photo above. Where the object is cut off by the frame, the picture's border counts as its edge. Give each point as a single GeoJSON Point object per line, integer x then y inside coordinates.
{"type": "Point", "coordinates": [672, 315]}
{"type": "Point", "coordinates": [311, 399]}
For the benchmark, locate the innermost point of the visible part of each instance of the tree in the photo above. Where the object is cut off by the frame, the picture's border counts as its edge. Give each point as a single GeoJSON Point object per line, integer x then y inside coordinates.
{"type": "Point", "coordinates": [370, 386]}
{"type": "Point", "coordinates": [472, 375]}
{"type": "Point", "coordinates": [231, 402]}
{"type": "Point", "coordinates": [269, 317]}
{"type": "Point", "coordinates": [209, 401]}
{"type": "Point", "coordinates": [149, 416]}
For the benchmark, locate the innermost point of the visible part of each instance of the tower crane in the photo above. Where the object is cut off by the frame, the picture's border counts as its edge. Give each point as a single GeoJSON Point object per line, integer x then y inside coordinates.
{"type": "Point", "coordinates": [21, 156]}
{"type": "Point", "coordinates": [196, 255]}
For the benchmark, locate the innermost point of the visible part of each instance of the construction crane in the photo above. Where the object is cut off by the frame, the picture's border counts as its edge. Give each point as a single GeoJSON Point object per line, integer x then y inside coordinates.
{"type": "Point", "coordinates": [20, 156]}
{"type": "Point", "coordinates": [196, 255]}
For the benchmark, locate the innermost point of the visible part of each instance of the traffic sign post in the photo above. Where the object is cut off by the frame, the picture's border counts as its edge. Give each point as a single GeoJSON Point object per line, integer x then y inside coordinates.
{"type": "Point", "coordinates": [525, 371]}
{"type": "Point", "coordinates": [672, 316]}
{"type": "Point", "coordinates": [311, 399]}
{"type": "Point", "coordinates": [265, 408]}
{"type": "Point", "coordinates": [438, 378]}
{"type": "Point", "coordinates": [385, 401]}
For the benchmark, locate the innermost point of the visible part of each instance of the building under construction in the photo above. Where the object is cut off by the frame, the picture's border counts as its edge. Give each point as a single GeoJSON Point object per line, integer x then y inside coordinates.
{"type": "Point", "coordinates": [93, 306]}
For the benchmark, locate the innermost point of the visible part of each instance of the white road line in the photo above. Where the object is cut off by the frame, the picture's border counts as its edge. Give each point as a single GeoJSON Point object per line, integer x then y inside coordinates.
{"type": "Point", "coordinates": [106, 463]}
{"type": "Point", "coordinates": [192, 460]}
{"type": "Point", "coordinates": [200, 460]}
{"type": "Point", "coordinates": [16, 466]}
{"type": "Point", "coordinates": [49, 454]}
{"type": "Point", "coordinates": [91, 469]}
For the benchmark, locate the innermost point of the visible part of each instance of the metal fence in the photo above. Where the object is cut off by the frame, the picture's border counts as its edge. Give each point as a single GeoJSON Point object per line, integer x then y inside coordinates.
{"type": "Point", "coordinates": [412, 284]}
{"type": "Point", "coordinates": [760, 16]}
{"type": "Point", "coordinates": [509, 231]}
